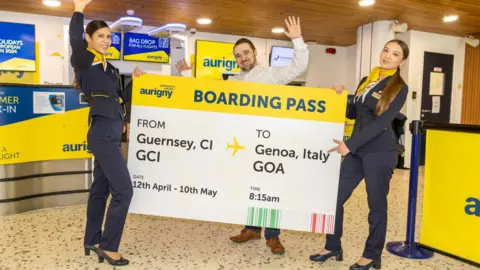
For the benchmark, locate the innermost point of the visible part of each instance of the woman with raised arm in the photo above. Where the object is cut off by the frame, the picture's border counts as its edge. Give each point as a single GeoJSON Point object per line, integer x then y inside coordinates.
{"type": "Point", "coordinates": [100, 82]}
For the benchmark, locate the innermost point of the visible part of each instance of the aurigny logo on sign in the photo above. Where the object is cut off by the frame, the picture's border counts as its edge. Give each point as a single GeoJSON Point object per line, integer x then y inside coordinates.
{"type": "Point", "coordinates": [154, 57]}
{"type": "Point", "coordinates": [19, 74]}
{"type": "Point", "coordinates": [163, 91]}
{"type": "Point", "coordinates": [473, 207]}
{"type": "Point", "coordinates": [78, 147]}
{"type": "Point", "coordinates": [220, 63]}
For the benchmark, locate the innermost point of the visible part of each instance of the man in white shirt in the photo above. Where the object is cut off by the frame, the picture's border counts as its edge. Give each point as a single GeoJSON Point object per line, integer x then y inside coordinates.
{"type": "Point", "coordinates": [246, 57]}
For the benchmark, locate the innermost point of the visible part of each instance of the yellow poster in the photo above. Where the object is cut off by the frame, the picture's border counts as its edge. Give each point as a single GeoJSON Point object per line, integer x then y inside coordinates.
{"type": "Point", "coordinates": [215, 60]}
{"type": "Point", "coordinates": [451, 207]}
{"type": "Point", "coordinates": [113, 52]}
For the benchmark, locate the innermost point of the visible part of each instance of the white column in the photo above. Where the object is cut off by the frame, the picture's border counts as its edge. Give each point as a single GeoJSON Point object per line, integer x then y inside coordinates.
{"type": "Point", "coordinates": [178, 52]}
{"type": "Point", "coordinates": [371, 38]}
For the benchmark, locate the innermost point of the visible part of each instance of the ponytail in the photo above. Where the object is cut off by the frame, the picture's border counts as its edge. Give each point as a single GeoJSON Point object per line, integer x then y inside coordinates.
{"type": "Point", "coordinates": [390, 92]}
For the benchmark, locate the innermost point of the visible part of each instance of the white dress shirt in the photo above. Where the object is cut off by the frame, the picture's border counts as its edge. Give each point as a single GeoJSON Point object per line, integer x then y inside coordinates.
{"type": "Point", "coordinates": [368, 87]}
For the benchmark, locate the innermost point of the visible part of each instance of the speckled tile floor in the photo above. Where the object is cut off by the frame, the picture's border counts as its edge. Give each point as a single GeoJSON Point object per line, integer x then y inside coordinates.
{"type": "Point", "coordinates": [52, 239]}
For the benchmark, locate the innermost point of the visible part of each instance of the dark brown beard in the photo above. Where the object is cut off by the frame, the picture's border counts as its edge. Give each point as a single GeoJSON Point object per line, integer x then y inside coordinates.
{"type": "Point", "coordinates": [250, 67]}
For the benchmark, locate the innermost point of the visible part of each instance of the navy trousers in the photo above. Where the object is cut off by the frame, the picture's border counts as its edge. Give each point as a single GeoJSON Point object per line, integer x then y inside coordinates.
{"type": "Point", "coordinates": [111, 176]}
{"type": "Point", "coordinates": [377, 169]}
{"type": "Point", "coordinates": [269, 232]}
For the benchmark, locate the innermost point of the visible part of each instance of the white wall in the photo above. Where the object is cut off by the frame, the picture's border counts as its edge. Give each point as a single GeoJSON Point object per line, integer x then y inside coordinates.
{"type": "Point", "coordinates": [351, 69]}
{"type": "Point", "coordinates": [49, 36]}
{"type": "Point", "coordinates": [326, 70]}
{"type": "Point", "coordinates": [420, 42]}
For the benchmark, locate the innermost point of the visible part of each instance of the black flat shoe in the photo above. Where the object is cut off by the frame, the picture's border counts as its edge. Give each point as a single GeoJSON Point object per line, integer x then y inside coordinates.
{"type": "Point", "coordinates": [102, 255]}
{"type": "Point", "coordinates": [338, 255]}
{"type": "Point", "coordinates": [373, 264]}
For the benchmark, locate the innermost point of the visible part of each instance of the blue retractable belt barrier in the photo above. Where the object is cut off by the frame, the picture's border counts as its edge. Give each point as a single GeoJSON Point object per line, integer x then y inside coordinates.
{"type": "Point", "coordinates": [408, 248]}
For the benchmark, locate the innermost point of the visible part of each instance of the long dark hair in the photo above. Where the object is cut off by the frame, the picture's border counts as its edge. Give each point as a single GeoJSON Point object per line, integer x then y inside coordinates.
{"type": "Point", "coordinates": [395, 84]}
{"type": "Point", "coordinates": [91, 28]}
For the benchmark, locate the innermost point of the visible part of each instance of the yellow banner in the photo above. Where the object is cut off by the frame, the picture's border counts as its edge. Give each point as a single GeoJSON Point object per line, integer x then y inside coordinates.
{"type": "Point", "coordinates": [112, 53]}
{"type": "Point", "coordinates": [451, 206]}
{"type": "Point", "coordinates": [240, 98]}
{"type": "Point", "coordinates": [157, 57]}
{"type": "Point", "coordinates": [53, 137]}
{"type": "Point", "coordinates": [213, 59]}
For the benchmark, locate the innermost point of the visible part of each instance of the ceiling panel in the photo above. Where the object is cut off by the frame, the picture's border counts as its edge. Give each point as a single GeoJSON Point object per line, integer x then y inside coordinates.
{"type": "Point", "coordinates": [330, 22]}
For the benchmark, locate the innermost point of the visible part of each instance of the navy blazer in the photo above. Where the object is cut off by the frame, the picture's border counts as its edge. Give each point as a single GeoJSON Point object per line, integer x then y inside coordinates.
{"type": "Point", "coordinates": [373, 133]}
{"type": "Point", "coordinates": [102, 88]}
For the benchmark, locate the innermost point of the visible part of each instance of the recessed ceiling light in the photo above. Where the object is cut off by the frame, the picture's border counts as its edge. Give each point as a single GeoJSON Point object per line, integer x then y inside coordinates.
{"type": "Point", "coordinates": [277, 30]}
{"type": "Point", "coordinates": [52, 3]}
{"type": "Point", "coordinates": [204, 21]}
{"type": "Point", "coordinates": [365, 3]}
{"type": "Point", "coordinates": [450, 18]}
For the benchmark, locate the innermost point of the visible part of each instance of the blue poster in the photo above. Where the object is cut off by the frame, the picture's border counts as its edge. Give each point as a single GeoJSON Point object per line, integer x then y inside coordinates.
{"type": "Point", "coordinates": [19, 104]}
{"type": "Point", "coordinates": [42, 123]}
{"type": "Point", "coordinates": [144, 48]}
{"type": "Point", "coordinates": [113, 52]}
{"type": "Point", "coordinates": [17, 47]}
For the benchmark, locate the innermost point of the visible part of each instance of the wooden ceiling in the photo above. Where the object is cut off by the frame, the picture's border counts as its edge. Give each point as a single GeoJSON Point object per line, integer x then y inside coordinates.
{"type": "Point", "coordinates": [330, 22]}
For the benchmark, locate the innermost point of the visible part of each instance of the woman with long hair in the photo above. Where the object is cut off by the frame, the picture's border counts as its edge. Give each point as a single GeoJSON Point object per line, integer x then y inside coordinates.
{"type": "Point", "coordinates": [370, 153]}
{"type": "Point", "coordinates": [100, 82]}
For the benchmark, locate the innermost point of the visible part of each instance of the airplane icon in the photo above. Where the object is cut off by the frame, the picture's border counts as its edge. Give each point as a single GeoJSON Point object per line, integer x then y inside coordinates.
{"type": "Point", "coordinates": [235, 146]}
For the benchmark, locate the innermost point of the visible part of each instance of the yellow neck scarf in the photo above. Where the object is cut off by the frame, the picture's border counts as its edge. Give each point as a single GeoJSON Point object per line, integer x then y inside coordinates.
{"type": "Point", "coordinates": [99, 58]}
{"type": "Point", "coordinates": [374, 76]}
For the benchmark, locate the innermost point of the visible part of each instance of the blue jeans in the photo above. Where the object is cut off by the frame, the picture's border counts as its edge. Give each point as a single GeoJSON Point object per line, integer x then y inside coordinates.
{"type": "Point", "coordinates": [269, 232]}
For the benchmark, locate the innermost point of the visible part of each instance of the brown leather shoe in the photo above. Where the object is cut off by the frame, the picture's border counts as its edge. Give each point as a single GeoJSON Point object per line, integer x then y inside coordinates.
{"type": "Point", "coordinates": [246, 235]}
{"type": "Point", "coordinates": [275, 245]}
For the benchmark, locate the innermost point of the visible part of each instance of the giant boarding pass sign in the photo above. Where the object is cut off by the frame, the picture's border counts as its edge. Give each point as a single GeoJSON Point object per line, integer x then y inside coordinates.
{"type": "Point", "coordinates": [235, 152]}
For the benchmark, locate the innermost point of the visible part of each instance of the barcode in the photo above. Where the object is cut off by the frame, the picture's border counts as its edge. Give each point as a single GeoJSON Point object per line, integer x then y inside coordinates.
{"type": "Point", "coordinates": [263, 217]}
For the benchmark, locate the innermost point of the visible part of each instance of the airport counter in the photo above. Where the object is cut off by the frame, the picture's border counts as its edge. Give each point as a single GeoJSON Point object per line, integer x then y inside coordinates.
{"type": "Point", "coordinates": [44, 160]}
{"type": "Point", "coordinates": [451, 204]}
